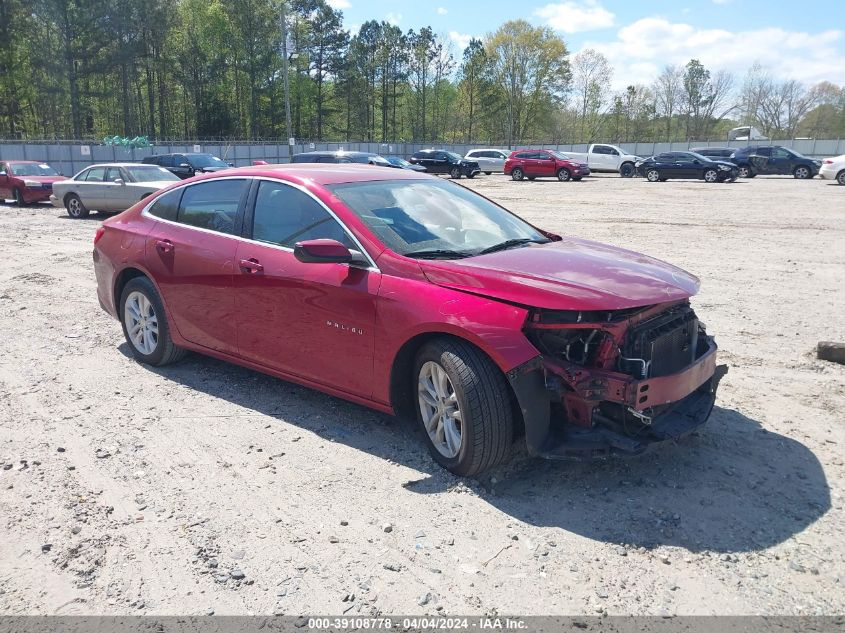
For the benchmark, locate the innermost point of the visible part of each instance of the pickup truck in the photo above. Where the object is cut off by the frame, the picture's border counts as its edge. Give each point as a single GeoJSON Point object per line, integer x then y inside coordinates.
{"type": "Point", "coordinates": [602, 157]}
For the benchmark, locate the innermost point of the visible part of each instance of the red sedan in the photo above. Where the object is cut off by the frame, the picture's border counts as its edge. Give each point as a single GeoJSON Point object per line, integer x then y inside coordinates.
{"type": "Point", "coordinates": [544, 163]}
{"type": "Point", "coordinates": [27, 181]}
{"type": "Point", "coordinates": [415, 296]}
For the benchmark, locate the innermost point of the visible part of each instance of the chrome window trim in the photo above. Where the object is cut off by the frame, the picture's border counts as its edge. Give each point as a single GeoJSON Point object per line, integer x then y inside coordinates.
{"type": "Point", "coordinates": [145, 212]}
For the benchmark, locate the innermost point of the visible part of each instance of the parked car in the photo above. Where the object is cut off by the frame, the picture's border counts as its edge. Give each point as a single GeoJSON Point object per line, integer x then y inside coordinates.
{"type": "Point", "coordinates": [341, 156]}
{"type": "Point", "coordinates": [686, 165]}
{"type": "Point", "coordinates": [109, 187]}
{"type": "Point", "coordinates": [26, 181]}
{"type": "Point", "coordinates": [774, 160]}
{"type": "Point", "coordinates": [187, 165]}
{"type": "Point", "coordinates": [833, 169]}
{"type": "Point", "coordinates": [544, 163]}
{"type": "Point", "coordinates": [715, 153]}
{"type": "Point", "coordinates": [401, 163]}
{"type": "Point", "coordinates": [413, 296]}
{"type": "Point", "coordinates": [607, 158]}
{"type": "Point", "coordinates": [438, 161]}
{"type": "Point", "coordinates": [489, 160]}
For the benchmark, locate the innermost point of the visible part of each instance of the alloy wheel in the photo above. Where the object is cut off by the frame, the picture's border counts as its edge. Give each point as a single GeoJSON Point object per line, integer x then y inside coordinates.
{"type": "Point", "coordinates": [653, 175]}
{"type": "Point", "coordinates": [841, 178]}
{"type": "Point", "coordinates": [440, 409]}
{"type": "Point", "coordinates": [141, 322]}
{"type": "Point", "coordinates": [74, 207]}
{"type": "Point", "coordinates": [802, 173]}
{"type": "Point", "coordinates": [710, 175]}
{"type": "Point", "coordinates": [744, 172]}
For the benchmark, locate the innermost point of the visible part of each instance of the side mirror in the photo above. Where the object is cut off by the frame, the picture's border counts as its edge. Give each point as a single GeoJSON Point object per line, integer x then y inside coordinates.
{"type": "Point", "coordinates": [119, 181]}
{"type": "Point", "coordinates": [326, 251]}
{"type": "Point", "coordinates": [185, 166]}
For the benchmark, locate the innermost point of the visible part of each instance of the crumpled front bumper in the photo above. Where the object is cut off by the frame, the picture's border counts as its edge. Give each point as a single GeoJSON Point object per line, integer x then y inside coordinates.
{"type": "Point", "coordinates": [684, 399]}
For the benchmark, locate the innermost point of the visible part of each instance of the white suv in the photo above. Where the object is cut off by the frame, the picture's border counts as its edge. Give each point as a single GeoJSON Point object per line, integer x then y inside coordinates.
{"type": "Point", "coordinates": [489, 160]}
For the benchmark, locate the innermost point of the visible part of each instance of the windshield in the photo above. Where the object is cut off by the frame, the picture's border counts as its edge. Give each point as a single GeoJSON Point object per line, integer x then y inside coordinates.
{"type": "Point", "coordinates": [32, 169]}
{"type": "Point", "coordinates": [432, 217]}
{"type": "Point", "coordinates": [699, 156]}
{"type": "Point", "coordinates": [150, 174]}
{"type": "Point", "coordinates": [379, 160]}
{"type": "Point", "coordinates": [455, 156]}
{"type": "Point", "coordinates": [395, 160]}
{"type": "Point", "coordinates": [560, 155]}
{"type": "Point", "coordinates": [206, 160]}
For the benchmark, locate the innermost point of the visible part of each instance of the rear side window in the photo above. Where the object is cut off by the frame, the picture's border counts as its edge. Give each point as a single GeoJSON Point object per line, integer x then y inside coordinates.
{"type": "Point", "coordinates": [523, 155]}
{"type": "Point", "coordinates": [212, 205]}
{"type": "Point", "coordinates": [94, 174]}
{"type": "Point", "coordinates": [166, 207]}
{"type": "Point", "coordinates": [284, 215]}
{"type": "Point", "coordinates": [764, 151]}
{"type": "Point", "coordinates": [601, 149]}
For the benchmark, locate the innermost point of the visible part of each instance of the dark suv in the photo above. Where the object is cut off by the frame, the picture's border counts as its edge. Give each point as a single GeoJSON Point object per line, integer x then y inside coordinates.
{"type": "Point", "coordinates": [187, 165]}
{"type": "Point", "coordinates": [438, 161]}
{"type": "Point", "coordinates": [341, 156]}
{"type": "Point", "coordinates": [714, 153]}
{"type": "Point", "coordinates": [774, 160]}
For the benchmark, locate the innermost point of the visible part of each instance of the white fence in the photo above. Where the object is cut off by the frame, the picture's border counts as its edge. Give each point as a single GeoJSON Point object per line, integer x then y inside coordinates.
{"type": "Point", "coordinates": [70, 157]}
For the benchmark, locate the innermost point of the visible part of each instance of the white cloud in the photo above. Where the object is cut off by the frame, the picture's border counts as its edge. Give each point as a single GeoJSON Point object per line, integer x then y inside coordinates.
{"type": "Point", "coordinates": [339, 4]}
{"type": "Point", "coordinates": [393, 18]}
{"type": "Point", "coordinates": [442, 11]}
{"type": "Point", "coordinates": [461, 40]}
{"type": "Point", "coordinates": [643, 47]}
{"type": "Point", "coordinates": [574, 17]}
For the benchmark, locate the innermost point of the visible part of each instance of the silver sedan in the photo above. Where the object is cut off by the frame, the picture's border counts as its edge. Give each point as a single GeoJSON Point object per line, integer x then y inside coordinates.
{"type": "Point", "coordinates": [109, 187]}
{"type": "Point", "coordinates": [489, 160]}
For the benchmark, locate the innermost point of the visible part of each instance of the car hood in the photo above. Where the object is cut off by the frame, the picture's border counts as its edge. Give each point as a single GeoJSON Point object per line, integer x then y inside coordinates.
{"type": "Point", "coordinates": [571, 274]}
{"type": "Point", "coordinates": [153, 184]}
{"type": "Point", "coordinates": [41, 179]}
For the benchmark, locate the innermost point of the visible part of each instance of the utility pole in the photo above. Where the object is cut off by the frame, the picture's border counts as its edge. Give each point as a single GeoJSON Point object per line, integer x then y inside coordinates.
{"type": "Point", "coordinates": [286, 82]}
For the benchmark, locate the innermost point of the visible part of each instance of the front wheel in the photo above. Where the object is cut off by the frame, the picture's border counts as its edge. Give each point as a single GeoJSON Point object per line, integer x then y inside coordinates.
{"type": "Point", "coordinates": [711, 175]}
{"type": "Point", "coordinates": [487, 173]}
{"type": "Point", "coordinates": [18, 196]}
{"type": "Point", "coordinates": [470, 176]}
{"type": "Point", "coordinates": [802, 173]}
{"type": "Point", "coordinates": [652, 175]}
{"type": "Point", "coordinates": [626, 170]}
{"type": "Point", "coordinates": [145, 324]}
{"type": "Point", "coordinates": [455, 173]}
{"type": "Point", "coordinates": [74, 206]}
{"type": "Point", "coordinates": [463, 407]}
{"type": "Point", "coordinates": [563, 174]}
{"type": "Point", "coordinates": [517, 174]}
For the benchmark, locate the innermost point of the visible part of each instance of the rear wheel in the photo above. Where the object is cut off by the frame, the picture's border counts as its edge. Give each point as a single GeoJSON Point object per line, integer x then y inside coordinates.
{"type": "Point", "coordinates": [802, 173]}
{"type": "Point", "coordinates": [517, 174]}
{"type": "Point", "coordinates": [487, 173]}
{"type": "Point", "coordinates": [16, 194]}
{"type": "Point", "coordinates": [463, 407]}
{"type": "Point", "coordinates": [471, 176]}
{"type": "Point", "coordinates": [652, 175]}
{"type": "Point", "coordinates": [711, 175]}
{"type": "Point", "coordinates": [745, 172]}
{"type": "Point", "coordinates": [455, 173]}
{"type": "Point", "coordinates": [840, 177]}
{"type": "Point", "coordinates": [145, 324]}
{"type": "Point", "coordinates": [563, 174]}
{"type": "Point", "coordinates": [74, 206]}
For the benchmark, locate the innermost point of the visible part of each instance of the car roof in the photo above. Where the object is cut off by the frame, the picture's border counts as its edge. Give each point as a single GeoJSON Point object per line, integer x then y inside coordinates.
{"type": "Point", "coordinates": [22, 162]}
{"type": "Point", "coordinates": [322, 174]}
{"type": "Point", "coordinates": [336, 152]}
{"type": "Point", "coordinates": [119, 165]}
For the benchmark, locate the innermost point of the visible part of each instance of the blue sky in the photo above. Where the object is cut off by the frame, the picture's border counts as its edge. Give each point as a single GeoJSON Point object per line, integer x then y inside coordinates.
{"type": "Point", "coordinates": [793, 41]}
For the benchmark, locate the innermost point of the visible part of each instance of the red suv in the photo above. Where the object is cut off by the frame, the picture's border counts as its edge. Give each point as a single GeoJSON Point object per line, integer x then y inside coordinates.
{"type": "Point", "coordinates": [27, 181]}
{"type": "Point", "coordinates": [539, 163]}
{"type": "Point", "coordinates": [415, 296]}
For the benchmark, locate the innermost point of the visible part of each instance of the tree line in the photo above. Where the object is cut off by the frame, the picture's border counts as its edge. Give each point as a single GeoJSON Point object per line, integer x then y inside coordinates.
{"type": "Point", "coordinates": [209, 69]}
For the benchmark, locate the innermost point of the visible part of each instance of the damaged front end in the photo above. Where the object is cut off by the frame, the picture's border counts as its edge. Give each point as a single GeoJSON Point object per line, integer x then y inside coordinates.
{"type": "Point", "coordinates": [615, 382]}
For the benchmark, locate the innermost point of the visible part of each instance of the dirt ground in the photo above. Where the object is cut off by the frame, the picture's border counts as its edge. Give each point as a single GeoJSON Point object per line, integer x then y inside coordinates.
{"type": "Point", "coordinates": [203, 487]}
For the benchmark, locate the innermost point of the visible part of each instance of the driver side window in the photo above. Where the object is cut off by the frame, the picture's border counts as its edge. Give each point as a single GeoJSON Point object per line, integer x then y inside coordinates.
{"type": "Point", "coordinates": [285, 215]}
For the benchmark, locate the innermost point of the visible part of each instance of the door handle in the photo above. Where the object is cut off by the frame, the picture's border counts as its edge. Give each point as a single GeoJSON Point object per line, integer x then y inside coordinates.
{"type": "Point", "coordinates": [251, 266]}
{"type": "Point", "coordinates": [164, 246]}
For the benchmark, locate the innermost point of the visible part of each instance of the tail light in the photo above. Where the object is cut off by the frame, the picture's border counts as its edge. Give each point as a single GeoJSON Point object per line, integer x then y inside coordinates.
{"type": "Point", "coordinates": [827, 161]}
{"type": "Point", "coordinates": [99, 234]}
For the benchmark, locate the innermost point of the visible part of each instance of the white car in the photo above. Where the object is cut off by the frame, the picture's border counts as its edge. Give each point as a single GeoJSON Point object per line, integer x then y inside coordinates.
{"type": "Point", "coordinates": [602, 157]}
{"type": "Point", "coordinates": [833, 169]}
{"type": "Point", "coordinates": [489, 159]}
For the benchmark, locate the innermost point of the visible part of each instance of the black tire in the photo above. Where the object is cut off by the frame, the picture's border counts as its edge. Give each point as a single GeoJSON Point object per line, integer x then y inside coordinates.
{"type": "Point", "coordinates": [802, 173]}
{"type": "Point", "coordinates": [74, 206]}
{"type": "Point", "coordinates": [483, 396]}
{"type": "Point", "coordinates": [531, 177]}
{"type": "Point", "coordinates": [578, 179]}
{"type": "Point", "coordinates": [471, 176]}
{"type": "Point", "coordinates": [626, 170]}
{"type": "Point", "coordinates": [487, 173]}
{"type": "Point", "coordinates": [746, 172]}
{"type": "Point", "coordinates": [517, 174]}
{"type": "Point", "coordinates": [455, 172]}
{"type": "Point", "coordinates": [18, 197]}
{"type": "Point", "coordinates": [563, 174]}
{"type": "Point", "coordinates": [652, 175]}
{"type": "Point", "coordinates": [165, 352]}
{"type": "Point", "coordinates": [710, 175]}
{"type": "Point", "coordinates": [840, 177]}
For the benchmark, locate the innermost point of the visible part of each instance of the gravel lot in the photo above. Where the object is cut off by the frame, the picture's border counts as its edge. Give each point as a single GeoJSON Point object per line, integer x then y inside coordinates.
{"type": "Point", "coordinates": [203, 487]}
